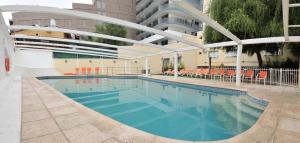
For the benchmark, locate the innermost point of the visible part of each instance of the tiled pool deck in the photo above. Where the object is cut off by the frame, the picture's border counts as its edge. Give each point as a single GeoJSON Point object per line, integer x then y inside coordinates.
{"type": "Point", "coordinates": [50, 117]}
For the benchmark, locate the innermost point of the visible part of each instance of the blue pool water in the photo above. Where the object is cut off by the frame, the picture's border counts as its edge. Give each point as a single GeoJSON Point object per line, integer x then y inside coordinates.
{"type": "Point", "coordinates": [168, 109]}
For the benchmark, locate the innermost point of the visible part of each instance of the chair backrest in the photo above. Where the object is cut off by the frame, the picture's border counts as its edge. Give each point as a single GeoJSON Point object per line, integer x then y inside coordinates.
{"type": "Point", "coordinates": [263, 74]}
{"type": "Point", "coordinates": [213, 71]}
{"type": "Point", "coordinates": [89, 70]}
{"type": "Point", "coordinates": [222, 72]}
{"type": "Point", "coordinates": [97, 69]}
{"type": "Point", "coordinates": [249, 73]}
{"type": "Point", "coordinates": [205, 71]}
{"type": "Point", "coordinates": [231, 72]}
{"type": "Point", "coordinates": [83, 70]}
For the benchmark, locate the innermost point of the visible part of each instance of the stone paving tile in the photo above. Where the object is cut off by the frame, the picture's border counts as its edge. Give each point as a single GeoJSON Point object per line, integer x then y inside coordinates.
{"type": "Point", "coordinates": [289, 124]}
{"type": "Point", "coordinates": [85, 134]}
{"type": "Point", "coordinates": [112, 140]}
{"type": "Point", "coordinates": [282, 136]}
{"type": "Point", "coordinates": [51, 138]}
{"type": "Point", "coordinates": [33, 107]}
{"type": "Point", "coordinates": [35, 115]}
{"type": "Point", "coordinates": [38, 128]}
{"type": "Point", "coordinates": [55, 104]}
{"type": "Point", "coordinates": [70, 120]}
{"type": "Point", "coordinates": [62, 110]}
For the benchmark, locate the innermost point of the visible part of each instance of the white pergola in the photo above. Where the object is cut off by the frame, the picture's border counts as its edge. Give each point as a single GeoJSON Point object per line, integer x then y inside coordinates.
{"type": "Point", "coordinates": [11, 45]}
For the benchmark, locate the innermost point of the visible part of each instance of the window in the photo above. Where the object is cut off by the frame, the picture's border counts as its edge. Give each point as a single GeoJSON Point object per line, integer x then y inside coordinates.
{"type": "Point", "coordinates": [213, 54]}
{"type": "Point", "coordinates": [231, 53]}
{"type": "Point", "coordinates": [165, 42]}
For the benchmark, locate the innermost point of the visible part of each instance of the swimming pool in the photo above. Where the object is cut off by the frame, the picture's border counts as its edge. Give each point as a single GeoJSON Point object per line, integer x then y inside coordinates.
{"type": "Point", "coordinates": [168, 109]}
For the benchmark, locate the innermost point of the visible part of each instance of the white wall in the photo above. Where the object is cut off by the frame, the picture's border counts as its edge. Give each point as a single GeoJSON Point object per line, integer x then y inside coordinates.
{"type": "Point", "coordinates": [2, 64]}
{"type": "Point", "coordinates": [34, 59]}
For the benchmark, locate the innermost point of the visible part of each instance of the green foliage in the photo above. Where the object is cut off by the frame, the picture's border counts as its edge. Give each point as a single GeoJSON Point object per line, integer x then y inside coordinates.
{"type": "Point", "coordinates": [180, 66]}
{"type": "Point", "coordinates": [108, 29]}
{"type": "Point", "coordinates": [71, 56]}
{"type": "Point", "coordinates": [250, 19]}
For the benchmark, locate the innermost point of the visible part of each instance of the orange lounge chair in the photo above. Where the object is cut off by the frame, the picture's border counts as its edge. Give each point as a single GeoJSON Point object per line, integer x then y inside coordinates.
{"type": "Point", "coordinates": [205, 73]}
{"type": "Point", "coordinates": [220, 74]}
{"type": "Point", "coordinates": [97, 70]}
{"type": "Point", "coordinates": [83, 71]}
{"type": "Point", "coordinates": [182, 72]}
{"type": "Point", "coordinates": [230, 74]}
{"type": "Point", "coordinates": [167, 72]}
{"type": "Point", "coordinates": [249, 74]}
{"type": "Point", "coordinates": [213, 73]}
{"type": "Point", "coordinates": [89, 71]}
{"type": "Point", "coordinates": [262, 75]}
{"type": "Point", "coordinates": [193, 72]}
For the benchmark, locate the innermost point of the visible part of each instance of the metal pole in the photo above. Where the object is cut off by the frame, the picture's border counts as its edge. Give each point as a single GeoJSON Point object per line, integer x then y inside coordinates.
{"type": "Point", "coordinates": [146, 67]}
{"type": "Point", "coordinates": [238, 65]}
{"type": "Point", "coordinates": [175, 65]}
{"type": "Point", "coordinates": [280, 77]}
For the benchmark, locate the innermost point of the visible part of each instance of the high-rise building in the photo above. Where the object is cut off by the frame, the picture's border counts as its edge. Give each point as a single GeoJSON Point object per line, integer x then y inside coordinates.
{"type": "Point", "coordinates": [163, 15]}
{"type": "Point", "coordinates": [122, 9]}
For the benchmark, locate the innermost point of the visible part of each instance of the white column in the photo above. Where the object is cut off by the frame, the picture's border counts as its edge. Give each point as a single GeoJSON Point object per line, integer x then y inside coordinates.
{"type": "Point", "coordinates": [2, 56]}
{"type": "Point", "coordinates": [129, 66]}
{"type": "Point", "coordinates": [146, 66]}
{"type": "Point", "coordinates": [102, 66]}
{"type": "Point", "coordinates": [125, 66]}
{"type": "Point", "coordinates": [8, 43]}
{"type": "Point", "coordinates": [175, 65]}
{"type": "Point", "coordinates": [238, 65]}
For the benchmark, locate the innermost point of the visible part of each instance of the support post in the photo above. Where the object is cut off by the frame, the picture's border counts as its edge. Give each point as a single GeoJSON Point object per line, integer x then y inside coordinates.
{"type": "Point", "coordinates": [8, 43]}
{"type": "Point", "coordinates": [146, 67]}
{"type": "Point", "coordinates": [175, 65]}
{"type": "Point", "coordinates": [238, 65]}
{"type": "Point", "coordinates": [2, 57]}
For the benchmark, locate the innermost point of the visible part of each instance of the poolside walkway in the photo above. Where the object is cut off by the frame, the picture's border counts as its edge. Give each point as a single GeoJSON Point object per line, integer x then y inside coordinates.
{"type": "Point", "coordinates": [50, 117]}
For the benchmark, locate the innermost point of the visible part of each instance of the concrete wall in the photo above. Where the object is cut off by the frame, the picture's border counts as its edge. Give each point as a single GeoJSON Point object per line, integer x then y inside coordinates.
{"type": "Point", "coordinates": [107, 66]}
{"type": "Point", "coordinates": [34, 59]}
{"type": "Point", "coordinates": [2, 57]}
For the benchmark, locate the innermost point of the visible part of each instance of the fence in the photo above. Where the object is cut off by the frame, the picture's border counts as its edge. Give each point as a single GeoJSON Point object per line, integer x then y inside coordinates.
{"type": "Point", "coordinates": [272, 76]}
{"type": "Point", "coordinates": [121, 71]}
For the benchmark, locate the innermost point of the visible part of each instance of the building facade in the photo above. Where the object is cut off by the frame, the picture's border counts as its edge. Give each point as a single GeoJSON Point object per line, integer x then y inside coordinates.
{"type": "Point", "coordinates": [122, 9]}
{"type": "Point", "coordinates": [163, 15]}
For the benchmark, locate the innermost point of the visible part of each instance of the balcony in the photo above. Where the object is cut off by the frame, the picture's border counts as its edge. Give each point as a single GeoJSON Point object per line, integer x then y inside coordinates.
{"type": "Point", "coordinates": [181, 22]}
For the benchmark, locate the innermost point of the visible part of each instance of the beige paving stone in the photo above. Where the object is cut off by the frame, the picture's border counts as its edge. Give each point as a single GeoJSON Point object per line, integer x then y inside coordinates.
{"type": "Point", "coordinates": [85, 134]}
{"type": "Point", "coordinates": [282, 136]}
{"type": "Point", "coordinates": [70, 120]}
{"type": "Point", "coordinates": [55, 104]}
{"type": "Point", "coordinates": [33, 107]}
{"type": "Point", "coordinates": [38, 128]}
{"type": "Point", "coordinates": [51, 138]}
{"type": "Point", "coordinates": [35, 115]}
{"type": "Point", "coordinates": [112, 140]}
{"type": "Point", "coordinates": [51, 99]}
{"type": "Point", "coordinates": [31, 101]}
{"type": "Point", "coordinates": [62, 110]}
{"type": "Point", "coordinates": [289, 124]}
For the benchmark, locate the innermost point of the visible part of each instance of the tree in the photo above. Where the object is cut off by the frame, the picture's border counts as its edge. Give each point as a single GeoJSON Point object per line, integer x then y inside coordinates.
{"type": "Point", "coordinates": [247, 19]}
{"type": "Point", "coordinates": [108, 29]}
{"type": "Point", "coordinates": [294, 20]}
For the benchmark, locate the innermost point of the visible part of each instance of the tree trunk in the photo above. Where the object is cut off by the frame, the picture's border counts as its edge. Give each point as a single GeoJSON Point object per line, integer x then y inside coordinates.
{"type": "Point", "coordinates": [259, 58]}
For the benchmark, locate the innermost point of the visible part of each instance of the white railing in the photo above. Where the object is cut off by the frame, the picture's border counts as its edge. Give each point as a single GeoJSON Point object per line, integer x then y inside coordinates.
{"type": "Point", "coordinates": [271, 76]}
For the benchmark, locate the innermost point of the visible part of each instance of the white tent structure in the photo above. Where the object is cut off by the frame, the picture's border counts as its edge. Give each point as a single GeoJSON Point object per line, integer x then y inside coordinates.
{"type": "Point", "coordinates": [6, 41]}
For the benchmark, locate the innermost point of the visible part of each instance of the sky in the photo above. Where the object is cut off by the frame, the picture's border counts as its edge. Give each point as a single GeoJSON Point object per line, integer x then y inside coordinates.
{"type": "Point", "coordinates": [52, 3]}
